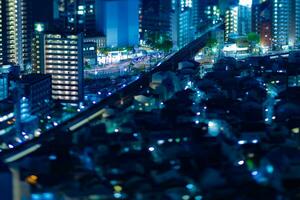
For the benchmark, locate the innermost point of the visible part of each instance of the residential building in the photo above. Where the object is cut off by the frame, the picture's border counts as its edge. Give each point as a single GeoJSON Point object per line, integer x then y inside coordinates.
{"type": "Point", "coordinates": [231, 22]}
{"type": "Point", "coordinates": [61, 56]}
{"type": "Point", "coordinates": [14, 32]}
{"type": "Point", "coordinates": [281, 23]}
{"type": "Point", "coordinates": [183, 30]}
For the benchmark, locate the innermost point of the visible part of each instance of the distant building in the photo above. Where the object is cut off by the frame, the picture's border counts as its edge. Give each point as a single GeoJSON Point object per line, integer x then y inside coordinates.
{"type": "Point", "coordinates": [37, 89]}
{"type": "Point", "coordinates": [4, 86]}
{"type": "Point", "coordinates": [119, 22]}
{"type": "Point", "coordinates": [263, 23]}
{"type": "Point", "coordinates": [244, 19]}
{"type": "Point", "coordinates": [238, 20]}
{"type": "Point", "coordinates": [155, 18]}
{"type": "Point", "coordinates": [76, 16]}
{"type": "Point", "coordinates": [212, 14]}
{"type": "Point", "coordinates": [14, 32]}
{"type": "Point", "coordinates": [99, 40]}
{"type": "Point", "coordinates": [183, 29]}
{"type": "Point", "coordinates": [266, 34]}
{"type": "Point", "coordinates": [62, 57]}
{"type": "Point", "coordinates": [280, 22]}
{"type": "Point", "coordinates": [90, 53]}
{"type": "Point", "coordinates": [260, 12]}
{"type": "Point", "coordinates": [285, 23]}
{"type": "Point", "coordinates": [231, 22]}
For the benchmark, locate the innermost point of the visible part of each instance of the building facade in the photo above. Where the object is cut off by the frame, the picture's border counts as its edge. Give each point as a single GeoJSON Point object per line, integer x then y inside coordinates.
{"type": "Point", "coordinates": [231, 22]}
{"type": "Point", "coordinates": [212, 14]}
{"type": "Point", "coordinates": [183, 29]}
{"type": "Point", "coordinates": [281, 23]}
{"type": "Point", "coordinates": [37, 89]}
{"type": "Point", "coordinates": [76, 16]}
{"type": "Point", "coordinates": [62, 57]}
{"type": "Point", "coordinates": [119, 21]}
{"type": "Point", "coordinates": [244, 19]}
{"type": "Point", "coordinates": [155, 18]}
{"type": "Point", "coordinates": [14, 32]}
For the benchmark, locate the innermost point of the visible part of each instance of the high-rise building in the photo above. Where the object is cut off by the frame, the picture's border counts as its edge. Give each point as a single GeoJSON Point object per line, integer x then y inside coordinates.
{"type": "Point", "coordinates": [76, 16]}
{"type": "Point", "coordinates": [285, 23]}
{"type": "Point", "coordinates": [238, 19]}
{"type": "Point", "coordinates": [61, 56]}
{"type": "Point", "coordinates": [244, 17]}
{"type": "Point", "coordinates": [260, 12]}
{"type": "Point", "coordinates": [281, 23]}
{"type": "Point", "coordinates": [155, 18]}
{"type": "Point", "coordinates": [15, 37]}
{"type": "Point", "coordinates": [204, 11]}
{"type": "Point", "coordinates": [225, 4]}
{"type": "Point", "coordinates": [261, 21]}
{"type": "Point", "coordinates": [231, 22]}
{"type": "Point", "coordinates": [212, 14]}
{"type": "Point", "coordinates": [183, 27]}
{"type": "Point", "coordinates": [119, 21]}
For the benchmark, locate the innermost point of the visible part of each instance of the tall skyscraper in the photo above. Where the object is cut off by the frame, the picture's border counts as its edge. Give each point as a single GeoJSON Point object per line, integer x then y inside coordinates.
{"type": "Point", "coordinates": [183, 25]}
{"type": "Point", "coordinates": [238, 19]}
{"type": "Point", "coordinates": [212, 14]}
{"type": "Point", "coordinates": [15, 37]}
{"type": "Point", "coordinates": [206, 10]}
{"type": "Point", "coordinates": [244, 18]}
{"type": "Point", "coordinates": [76, 15]}
{"type": "Point", "coordinates": [285, 23]}
{"type": "Point", "coordinates": [155, 18]}
{"type": "Point", "coordinates": [118, 20]}
{"type": "Point", "coordinates": [281, 23]}
{"type": "Point", "coordinates": [62, 57]}
{"type": "Point", "coordinates": [260, 12]}
{"type": "Point", "coordinates": [231, 22]}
